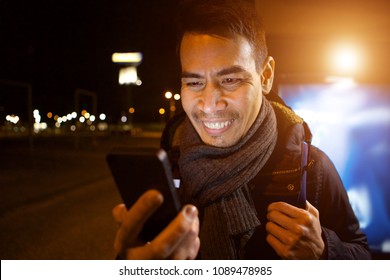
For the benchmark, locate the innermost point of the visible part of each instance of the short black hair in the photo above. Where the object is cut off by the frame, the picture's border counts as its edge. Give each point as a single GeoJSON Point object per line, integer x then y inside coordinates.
{"type": "Point", "coordinates": [225, 18]}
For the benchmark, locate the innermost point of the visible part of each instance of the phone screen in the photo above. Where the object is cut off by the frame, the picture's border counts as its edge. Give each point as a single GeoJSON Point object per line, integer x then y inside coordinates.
{"type": "Point", "coordinates": [136, 170]}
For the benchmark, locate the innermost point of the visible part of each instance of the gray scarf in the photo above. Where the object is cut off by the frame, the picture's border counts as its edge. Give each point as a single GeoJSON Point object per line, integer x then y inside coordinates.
{"type": "Point", "coordinates": [215, 179]}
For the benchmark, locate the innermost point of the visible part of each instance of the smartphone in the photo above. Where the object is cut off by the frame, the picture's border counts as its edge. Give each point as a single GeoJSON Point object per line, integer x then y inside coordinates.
{"type": "Point", "coordinates": [136, 170]}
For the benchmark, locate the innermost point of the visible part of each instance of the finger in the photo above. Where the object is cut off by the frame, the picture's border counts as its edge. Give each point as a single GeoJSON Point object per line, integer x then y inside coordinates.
{"type": "Point", "coordinates": [189, 246]}
{"type": "Point", "coordinates": [193, 253]}
{"type": "Point", "coordinates": [276, 244]}
{"type": "Point", "coordinates": [139, 253]}
{"type": "Point", "coordinates": [285, 236]}
{"type": "Point", "coordinates": [279, 218]}
{"type": "Point", "coordinates": [134, 219]}
{"type": "Point", "coordinates": [311, 209]}
{"type": "Point", "coordinates": [118, 213]}
{"type": "Point", "coordinates": [171, 237]}
{"type": "Point", "coordinates": [140, 212]}
{"type": "Point", "coordinates": [146, 252]}
{"type": "Point", "coordinates": [294, 220]}
{"type": "Point", "coordinates": [286, 208]}
{"type": "Point", "coordinates": [281, 241]}
{"type": "Point", "coordinates": [280, 214]}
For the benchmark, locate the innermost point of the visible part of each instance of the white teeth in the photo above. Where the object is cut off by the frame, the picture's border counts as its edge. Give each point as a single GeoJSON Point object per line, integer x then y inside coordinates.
{"type": "Point", "coordinates": [217, 125]}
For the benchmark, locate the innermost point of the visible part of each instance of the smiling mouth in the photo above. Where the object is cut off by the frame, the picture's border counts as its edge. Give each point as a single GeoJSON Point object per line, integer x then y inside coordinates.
{"type": "Point", "coordinates": [217, 125]}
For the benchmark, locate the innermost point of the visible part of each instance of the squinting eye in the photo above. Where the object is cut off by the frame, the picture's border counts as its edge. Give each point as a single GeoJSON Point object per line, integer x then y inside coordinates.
{"type": "Point", "coordinates": [194, 84]}
{"type": "Point", "coordinates": [231, 81]}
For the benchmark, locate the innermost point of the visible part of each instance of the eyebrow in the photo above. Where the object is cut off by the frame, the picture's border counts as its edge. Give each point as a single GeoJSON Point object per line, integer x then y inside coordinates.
{"type": "Point", "coordinates": [226, 71]}
{"type": "Point", "coordinates": [186, 74]}
{"type": "Point", "coordinates": [231, 70]}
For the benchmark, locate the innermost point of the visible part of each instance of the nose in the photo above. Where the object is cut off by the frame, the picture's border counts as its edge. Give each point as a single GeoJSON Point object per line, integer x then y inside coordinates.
{"type": "Point", "coordinates": [211, 100]}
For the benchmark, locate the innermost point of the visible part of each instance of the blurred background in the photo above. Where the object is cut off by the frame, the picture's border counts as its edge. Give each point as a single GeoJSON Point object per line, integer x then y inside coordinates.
{"type": "Point", "coordinates": [66, 100]}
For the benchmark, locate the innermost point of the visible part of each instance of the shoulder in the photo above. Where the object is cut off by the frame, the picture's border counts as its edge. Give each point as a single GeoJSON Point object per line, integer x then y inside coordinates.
{"type": "Point", "coordinates": [170, 141]}
{"type": "Point", "coordinates": [325, 186]}
{"type": "Point", "coordinates": [321, 166]}
{"type": "Point", "coordinates": [171, 133]}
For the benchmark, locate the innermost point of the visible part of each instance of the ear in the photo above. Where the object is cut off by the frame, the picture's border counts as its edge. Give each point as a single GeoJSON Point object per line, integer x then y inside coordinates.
{"type": "Point", "coordinates": [267, 74]}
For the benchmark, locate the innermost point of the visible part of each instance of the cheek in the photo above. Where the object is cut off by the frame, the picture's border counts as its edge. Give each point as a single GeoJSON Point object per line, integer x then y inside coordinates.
{"type": "Point", "coordinates": [250, 107]}
{"type": "Point", "coordinates": [246, 101]}
{"type": "Point", "coordinates": [189, 101]}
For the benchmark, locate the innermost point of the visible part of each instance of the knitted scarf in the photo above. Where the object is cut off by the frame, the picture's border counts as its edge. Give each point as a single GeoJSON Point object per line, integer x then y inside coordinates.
{"type": "Point", "coordinates": [215, 179]}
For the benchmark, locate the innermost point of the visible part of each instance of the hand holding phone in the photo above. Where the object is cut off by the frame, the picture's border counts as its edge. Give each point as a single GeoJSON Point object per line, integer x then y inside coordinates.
{"type": "Point", "coordinates": [136, 170]}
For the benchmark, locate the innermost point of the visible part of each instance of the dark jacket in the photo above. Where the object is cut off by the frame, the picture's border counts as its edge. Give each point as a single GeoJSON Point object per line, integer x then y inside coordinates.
{"type": "Point", "coordinates": [280, 180]}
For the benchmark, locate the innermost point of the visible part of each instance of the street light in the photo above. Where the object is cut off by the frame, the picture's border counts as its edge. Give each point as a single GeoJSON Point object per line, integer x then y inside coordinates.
{"type": "Point", "coordinates": [346, 59]}
{"type": "Point", "coordinates": [128, 58]}
{"type": "Point", "coordinates": [171, 97]}
{"type": "Point", "coordinates": [128, 74]}
{"type": "Point", "coordinates": [168, 95]}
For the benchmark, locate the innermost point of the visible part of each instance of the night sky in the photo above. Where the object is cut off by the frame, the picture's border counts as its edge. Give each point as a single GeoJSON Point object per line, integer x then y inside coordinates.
{"type": "Point", "coordinates": [59, 46]}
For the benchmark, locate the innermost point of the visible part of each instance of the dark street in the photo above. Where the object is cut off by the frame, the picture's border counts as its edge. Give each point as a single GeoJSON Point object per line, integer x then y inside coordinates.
{"type": "Point", "coordinates": [56, 202]}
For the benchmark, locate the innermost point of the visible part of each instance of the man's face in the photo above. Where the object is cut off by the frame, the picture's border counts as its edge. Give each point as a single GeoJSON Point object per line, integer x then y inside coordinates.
{"type": "Point", "coordinates": [221, 90]}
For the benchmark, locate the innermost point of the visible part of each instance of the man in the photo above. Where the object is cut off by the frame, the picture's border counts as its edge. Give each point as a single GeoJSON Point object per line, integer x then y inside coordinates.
{"type": "Point", "coordinates": [239, 157]}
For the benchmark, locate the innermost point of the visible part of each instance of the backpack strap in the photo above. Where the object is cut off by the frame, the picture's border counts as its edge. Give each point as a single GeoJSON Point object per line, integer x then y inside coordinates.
{"type": "Point", "coordinates": [305, 155]}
